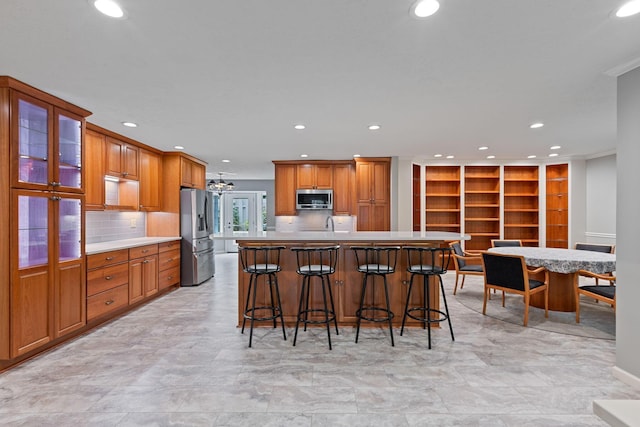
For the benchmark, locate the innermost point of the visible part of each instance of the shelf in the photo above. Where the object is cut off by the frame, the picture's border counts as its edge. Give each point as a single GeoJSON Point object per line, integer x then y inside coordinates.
{"type": "Point", "coordinates": [520, 195]}
{"type": "Point", "coordinates": [482, 192]}
{"type": "Point", "coordinates": [521, 180]}
{"type": "Point", "coordinates": [521, 210]}
{"type": "Point", "coordinates": [481, 219]}
{"type": "Point", "coordinates": [442, 225]}
{"type": "Point", "coordinates": [484, 205]}
{"type": "Point", "coordinates": [442, 195]}
{"type": "Point", "coordinates": [443, 180]}
{"type": "Point", "coordinates": [484, 234]}
{"type": "Point", "coordinates": [521, 225]}
{"type": "Point", "coordinates": [557, 179]}
{"type": "Point", "coordinates": [442, 210]}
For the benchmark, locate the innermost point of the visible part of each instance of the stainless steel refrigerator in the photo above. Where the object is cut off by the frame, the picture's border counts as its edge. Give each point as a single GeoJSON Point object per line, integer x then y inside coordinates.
{"type": "Point", "coordinates": [196, 228]}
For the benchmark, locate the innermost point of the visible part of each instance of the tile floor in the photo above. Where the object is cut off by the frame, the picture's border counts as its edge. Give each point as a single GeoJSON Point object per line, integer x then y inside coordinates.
{"type": "Point", "coordinates": [180, 360]}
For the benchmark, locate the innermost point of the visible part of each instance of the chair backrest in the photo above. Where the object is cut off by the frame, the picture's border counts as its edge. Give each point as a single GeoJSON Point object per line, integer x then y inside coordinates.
{"type": "Point", "coordinates": [427, 260]}
{"type": "Point", "coordinates": [376, 259]}
{"type": "Point", "coordinates": [316, 260]}
{"type": "Point", "coordinates": [501, 243]}
{"type": "Point", "coordinates": [457, 249]}
{"type": "Point", "coordinates": [507, 271]}
{"type": "Point", "coordinates": [595, 247]}
{"type": "Point", "coordinates": [260, 259]}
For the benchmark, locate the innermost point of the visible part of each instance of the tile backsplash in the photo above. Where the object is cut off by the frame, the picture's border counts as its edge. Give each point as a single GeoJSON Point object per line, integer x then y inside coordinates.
{"type": "Point", "coordinates": [107, 226]}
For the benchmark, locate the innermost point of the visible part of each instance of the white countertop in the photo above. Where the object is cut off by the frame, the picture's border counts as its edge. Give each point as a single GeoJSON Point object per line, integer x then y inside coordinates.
{"type": "Point", "coordinates": [344, 236]}
{"type": "Point", "coordinates": [96, 248]}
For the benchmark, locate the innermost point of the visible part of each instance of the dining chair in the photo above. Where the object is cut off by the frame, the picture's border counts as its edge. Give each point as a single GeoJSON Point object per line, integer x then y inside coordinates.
{"type": "Point", "coordinates": [509, 273]}
{"type": "Point", "coordinates": [596, 247]}
{"type": "Point", "coordinates": [599, 293]}
{"type": "Point", "coordinates": [497, 243]}
{"type": "Point", "coordinates": [465, 263]}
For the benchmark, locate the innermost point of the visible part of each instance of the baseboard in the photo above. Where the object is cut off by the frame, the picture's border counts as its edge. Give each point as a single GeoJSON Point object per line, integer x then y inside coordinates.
{"type": "Point", "coordinates": [626, 377]}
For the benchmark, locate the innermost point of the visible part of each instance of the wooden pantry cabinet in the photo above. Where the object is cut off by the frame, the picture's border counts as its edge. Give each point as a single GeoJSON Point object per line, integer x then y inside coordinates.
{"type": "Point", "coordinates": [42, 283]}
{"type": "Point", "coordinates": [521, 193]}
{"type": "Point", "coordinates": [481, 205]}
{"type": "Point", "coordinates": [373, 194]}
{"type": "Point", "coordinates": [442, 198]}
{"type": "Point", "coordinates": [557, 180]}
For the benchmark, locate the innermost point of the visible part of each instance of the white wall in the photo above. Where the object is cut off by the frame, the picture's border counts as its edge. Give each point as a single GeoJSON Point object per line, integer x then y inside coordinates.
{"type": "Point", "coordinates": [601, 200]}
{"type": "Point", "coordinates": [628, 239]}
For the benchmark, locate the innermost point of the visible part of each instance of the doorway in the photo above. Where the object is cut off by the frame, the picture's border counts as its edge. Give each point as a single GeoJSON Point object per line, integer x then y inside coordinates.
{"type": "Point", "coordinates": [243, 213]}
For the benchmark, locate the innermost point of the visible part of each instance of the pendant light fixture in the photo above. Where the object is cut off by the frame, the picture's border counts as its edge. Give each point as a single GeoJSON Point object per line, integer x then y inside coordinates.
{"type": "Point", "coordinates": [219, 186]}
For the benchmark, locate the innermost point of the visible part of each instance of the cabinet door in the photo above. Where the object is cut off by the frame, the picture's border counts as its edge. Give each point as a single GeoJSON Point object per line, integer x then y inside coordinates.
{"type": "Point", "coordinates": [198, 175]}
{"type": "Point", "coordinates": [32, 147]}
{"type": "Point", "coordinates": [70, 285]}
{"type": "Point", "coordinates": [68, 176]}
{"type": "Point", "coordinates": [364, 172]}
{"type": "Point", "coordinates": [186, 172]}
{"type": "Point", "coordinates": [380, 182]}
{"type": "Point", "coordinates": [32, 280]}
{"type": "Point", "coordinates": [113, 157]}
{"type": "Point", "coordinates": [305, 177]}
{"type": "Point", "coordinates": [150, 275]}
{"type": "Point", "coordinates": [130, 161]}
{"type": "Point", "coordinates": [136, 287]}
{"type": "Point", "coordinates": [343, 177]}
{"type": "Point", "coordinates": [285, 191]}
{"type": "Point", "coordinates": [94, 171]}
{"type": "Point", "coordinates": [150, 175]}
{"type": "Point", "coordinates": [324, 176]}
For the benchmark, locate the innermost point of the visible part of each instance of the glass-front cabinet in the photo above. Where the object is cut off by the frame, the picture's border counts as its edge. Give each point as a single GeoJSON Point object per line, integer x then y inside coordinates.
{"type": "Point", "coordinates": [48, 297]}
{"type": "Point", "coordinates": [49, 146]}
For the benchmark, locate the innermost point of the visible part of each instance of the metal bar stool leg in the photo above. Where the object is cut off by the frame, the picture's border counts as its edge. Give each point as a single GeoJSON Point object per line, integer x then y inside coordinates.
{"type": "Point", "coordinates": [446, 307]}
{"type": "Point", "coordinates": [246, 305]}
{"type": "Point", "coordinates": [253, 311]}
{"type": "Point", "coordinates": [406, 306]}
{"type": "Point", "coordinates": [359, 312]}
{"type": "Point", "coordinates": [284, 333]}
{"type": "Point", "coordinates": [386, 295]}
{"type": "Point", "coordinates": [304, 282]}
{"type": "Point", "coordinates": [273, 306]}
{"type": "Point", "coordinates": [326, 310]}
{"type": "Point", "coordinates": [427, 314]}
{"type": "Point", "coordinates": [333, 308]}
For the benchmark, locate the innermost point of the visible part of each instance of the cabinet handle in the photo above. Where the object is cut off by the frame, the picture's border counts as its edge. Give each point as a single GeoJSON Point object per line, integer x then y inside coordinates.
{"type": "Point", "coordinates": [109, 258]}
{"type": "Point", "coordinates": [169, 260]}
{"type": "Point", "coordinates": [146, 261]}
{"type": "Point", "coordinates": [125, 173]}
{"type": "Point", "coordinates": [109, 302]}
{"type": "Point", "coordinates": [55, 184]}
{"type": "Point", "coordinates": [170, 277]}
{"type": "Point", "coordinates": [108, 278]}
{"type": "Point", "coordinates": [144, 251]}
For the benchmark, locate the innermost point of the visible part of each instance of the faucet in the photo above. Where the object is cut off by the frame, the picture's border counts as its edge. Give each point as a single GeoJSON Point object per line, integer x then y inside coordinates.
{"type": "Point", "coordinates": [330, 220]}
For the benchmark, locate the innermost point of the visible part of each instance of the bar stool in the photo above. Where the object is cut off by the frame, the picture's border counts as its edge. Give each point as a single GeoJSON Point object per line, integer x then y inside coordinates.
{"type": "Point", "coordinates": [316, 262]}
{"type": "Point", "coordinates": [262, 261]}
{"type": "Point", "coordinates": [427, 262]}
{"type": "Point", "coordinates": [375, 261]}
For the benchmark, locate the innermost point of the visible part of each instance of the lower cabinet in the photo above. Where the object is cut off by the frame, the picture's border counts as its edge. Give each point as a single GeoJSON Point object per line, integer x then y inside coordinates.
{"type": "Point", "coordinates": [143, 272]}
{"type": "Point", "coordinates": [107, 278]}
{"type": "Point", "coordinates": [168, 264]}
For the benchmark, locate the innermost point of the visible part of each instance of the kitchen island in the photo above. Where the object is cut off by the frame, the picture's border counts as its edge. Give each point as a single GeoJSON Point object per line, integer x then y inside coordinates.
{"type": "Point", "coordinates": [347, 281]}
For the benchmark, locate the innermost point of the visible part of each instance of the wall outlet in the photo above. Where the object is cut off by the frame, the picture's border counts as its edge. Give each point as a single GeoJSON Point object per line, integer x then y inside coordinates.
{"type": "Point", "coordinates": [132, 223]}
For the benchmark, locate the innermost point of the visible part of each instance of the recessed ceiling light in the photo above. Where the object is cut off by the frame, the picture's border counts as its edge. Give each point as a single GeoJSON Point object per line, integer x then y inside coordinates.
{"type": "Point", "coordinates": [483, 148]}
{"type": "Point", "coordinates": [299, 127]}
{"type": "Point", "coordinates": [130, 124]}
{"type": "Point", "coordinates": [178, 147]}
{"type": "Point", "coordinates": [109, 8]}
{"type": "Point", "coordinates": [437, 155]}
{"type": "Point", "coordinates": [226, 161]}
{"type": "Point", "coordinates": [628, 9]}
{"type": "Point", "coordinates": [304, 155]}
{"type": "Point", "coordinates": [537, 125]}
{"type": "Point", "coordinates": [553, 155]}
{"type": "Point", "coordinates": [555, 147]}
{"type": "Point", "coordinates": [374, 127]}
{"type": "Point", "coordinates": [533, 156]}
{"type": "Point", "coordinates": [424, 8]}
{"type": "Point", "coordinates": [356, 155]}
{"type": "Point", "coordinates": [491, 157]}
{"type": "Point", "coordinates": [449, 156]}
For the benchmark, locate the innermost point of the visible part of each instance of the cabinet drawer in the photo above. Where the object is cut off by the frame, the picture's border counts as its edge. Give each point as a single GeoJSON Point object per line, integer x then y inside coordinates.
{"type": "Point", "coordinates": [169, 259]}
{"type": "Point", "coordinates": [102, 279]}
{"type": "Point", "coordinates": [107, 301]}
{"type": "Point", "coordinates": [143, 251]}
{"type": "Point", "coordinates": [107, 258]}
{"type": "Point", "coordinates": [169, 277]}
{"type": "Point", "coordinates": [168, 246]}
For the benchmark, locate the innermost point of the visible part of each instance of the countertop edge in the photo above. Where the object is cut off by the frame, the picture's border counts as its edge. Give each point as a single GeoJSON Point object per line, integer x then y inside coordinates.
{"type": "Point", "coordinates": [114, 245]}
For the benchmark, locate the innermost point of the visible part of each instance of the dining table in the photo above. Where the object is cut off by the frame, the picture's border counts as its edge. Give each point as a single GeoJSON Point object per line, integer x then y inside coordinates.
{"type": "Point", "coordinates": [563, 266]}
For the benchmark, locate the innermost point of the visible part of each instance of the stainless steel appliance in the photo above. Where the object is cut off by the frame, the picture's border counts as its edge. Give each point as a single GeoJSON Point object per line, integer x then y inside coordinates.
{"type": "Point", "coordinates": [196, 227]}
{"type": "Point", "coordinates": [314, 199]}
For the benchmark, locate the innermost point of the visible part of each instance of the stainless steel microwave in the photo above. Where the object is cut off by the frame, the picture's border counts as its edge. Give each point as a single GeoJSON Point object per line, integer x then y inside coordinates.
{"type": "Point", "coordinates": [314, 199]}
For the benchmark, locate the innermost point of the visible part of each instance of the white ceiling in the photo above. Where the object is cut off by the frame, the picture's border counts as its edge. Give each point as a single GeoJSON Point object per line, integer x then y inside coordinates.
{"type": "Point", "coordinates": [228, 79]}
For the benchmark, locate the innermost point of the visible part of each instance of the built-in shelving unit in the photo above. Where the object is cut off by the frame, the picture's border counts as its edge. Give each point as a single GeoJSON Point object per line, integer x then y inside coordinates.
{"type": "Point", "coordinates": [442, 199]}
{"type": "Point", "coordinates": [415, 196]}
{"type": "Point", "coordinates": [481, 205]}
{"type": "Point", "coordinates": [557, 206]}
{"type": "Point", "coordinates": [521, 204]}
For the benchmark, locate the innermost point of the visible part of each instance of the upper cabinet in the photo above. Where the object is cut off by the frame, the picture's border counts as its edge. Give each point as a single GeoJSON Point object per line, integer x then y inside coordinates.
{"type": "Point", "coordinates": [46, 145]}
{"type": "Point", "coordinates": [285, 189]}
{"type": "Point", "coordinates": [150, 178]}
{"type": "Point", "coordinates": [312, 176]}
{"type": "Point", "coordinates": [343, 178]}
{"type": "Point", "coordinates": [95, 171]}
{"type": "Point", "coordinates": [122, 159]}
{"type": "Point", "coordinates": [192, 173]}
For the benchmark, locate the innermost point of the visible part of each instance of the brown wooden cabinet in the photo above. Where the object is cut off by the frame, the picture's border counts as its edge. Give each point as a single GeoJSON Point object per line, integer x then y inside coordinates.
{"type": "Point", "coordinates": [94, 170]}
{"type": "Point", "coordinates": [373, 193]}
{"type": "Point", "coordinates": [343, 181]}
{"type": "Point", "coordinates": [143, 272]}
{"type": "Point", "coordinates": [442, 198]}
{"type": "Point", "coordinates": [192, 174]}
{"type": "Point", "coordinates": [481, 205]}
{"type": "Point", "coordinates": [150, 181]}
{"type": "Point", "coordinates": [122, 159]}
{"type": "Point", "coordinates": [557, 206]}
{"type": "Point", "coordinates": [107, 283]}
{"type": "Point", "coordinates": [168, 264]}
{"type": "Point", "coordinates": [285, 189]}
{"type": "Point", "coordinates": [521, 204]}
{"type": "Point", "coordinates": [310, 175]}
